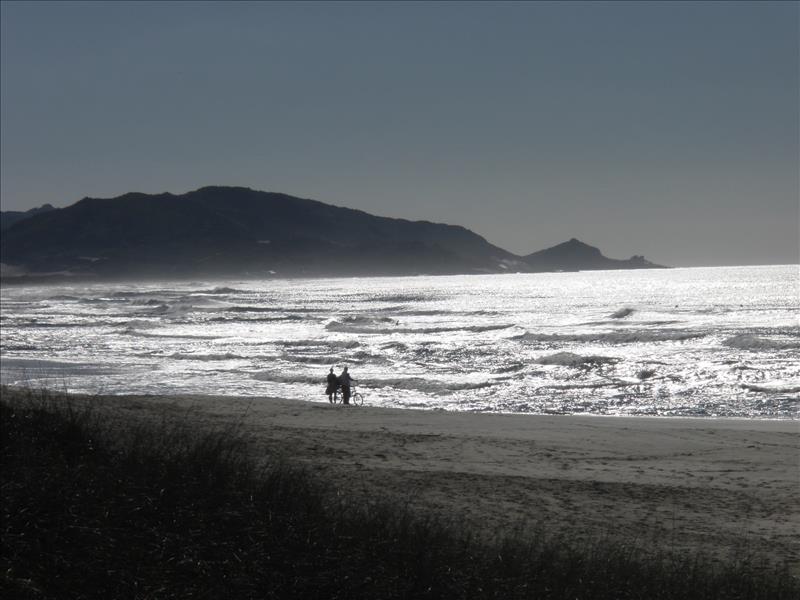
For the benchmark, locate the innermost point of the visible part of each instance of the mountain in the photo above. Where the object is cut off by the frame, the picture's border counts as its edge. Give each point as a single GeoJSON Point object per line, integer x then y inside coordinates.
{"type": "Point", "coordinates": [239, 232]}
{"type": "Point", "coordinates": [575, 255]}
{"type": "Point", "coordinates": [236, 231]}
{"type": "Point", "coordinates": [9, 217]}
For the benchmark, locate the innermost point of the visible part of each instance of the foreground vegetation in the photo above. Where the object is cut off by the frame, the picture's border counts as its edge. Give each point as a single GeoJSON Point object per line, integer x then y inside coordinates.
{"type": "Point", "coordinates": [92, 509]}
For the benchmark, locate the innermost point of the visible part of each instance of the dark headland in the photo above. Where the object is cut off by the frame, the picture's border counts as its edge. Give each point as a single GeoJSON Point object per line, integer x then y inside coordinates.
{"type": "Point", "coordinates": [235, 231]}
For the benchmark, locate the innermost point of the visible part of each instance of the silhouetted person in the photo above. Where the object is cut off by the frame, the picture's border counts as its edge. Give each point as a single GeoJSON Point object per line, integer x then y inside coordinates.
{"type": "Point", "coordinates": [345, 380]}
{"type": "Point", "coordinates": [333, 383]}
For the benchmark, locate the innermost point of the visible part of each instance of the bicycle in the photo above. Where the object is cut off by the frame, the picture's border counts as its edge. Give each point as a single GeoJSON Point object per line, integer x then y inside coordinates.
{"type": "Point", "coordinates": [356, 398]}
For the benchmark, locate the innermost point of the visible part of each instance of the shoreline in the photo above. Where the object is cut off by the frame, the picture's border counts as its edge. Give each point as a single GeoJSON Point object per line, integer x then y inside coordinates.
{"type": "Point", "coordinates": [785, 419]}
{"type": "Point", "coordinates": [723, 487]}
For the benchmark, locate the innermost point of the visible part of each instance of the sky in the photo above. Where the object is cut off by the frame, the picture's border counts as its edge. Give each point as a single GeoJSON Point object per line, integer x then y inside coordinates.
{"type": "Point", "coordinates": [663, 129]}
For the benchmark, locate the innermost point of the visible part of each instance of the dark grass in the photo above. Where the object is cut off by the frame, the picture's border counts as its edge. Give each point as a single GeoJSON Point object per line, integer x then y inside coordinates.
{"type": "Point", "coordinates": [92, 509]}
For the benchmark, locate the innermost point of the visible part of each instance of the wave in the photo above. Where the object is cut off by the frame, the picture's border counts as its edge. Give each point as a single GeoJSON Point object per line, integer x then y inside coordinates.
{"type": "Point", "coordinates": [582, 386]}
{"type": "Point", "coordinates": [64, 298]}
{"type": "Point", "coordinates": [170, 309]}
{"type": "Point", "coordinates": [346, 328]}
{"type": "Point", "coordinates": [317, 359]}
{"type": "Point", "coordinates": [258, 319]}
{"type": "Point", "coordinates": [615, 322]}
{"type": "Point", "coordinates": [360, 357]}
{"type": "Point", "coordinates": [400, 298]}
{"type": "Point", "coordinates": [441, 312]}
{"type": "Point", "coordinates": [149, 302]}
{"type": "Point", "coordinates": [276, 377]}
{"type": "Point", "coordinates": [207, 357]}
{"type": "Point", "coordinates": [33, 324]}
{"type": "Point", "coordinates": [569, 359]}
{"type": "Point", "coordinates": [420, 384]}
{"type": "Point", "coordinates": [140, 324]}
{"type": "Point", "coordinates": [367, 320]}
{"type": "Point", "coordinates": [746, 341]}
{"type": "Point", "coordinates": [622, 313]}
{"type": "Point", "coordinates": [268, 309]}
{"type": "Point", "coordinates": [130, 294]}
{"type": "Point", "coordinates": [319, 343]}
{"type": "Point", "coordinates": [96, 300]}
{"type": "Point", "coordinates": [362, 324]}
{"type": "Point", "coordinates": [136, 333]}
{"type": "Point", "coordinates": [512, 368]}
{"type": "Point", "coordinates": [394, 346]}
{"type": "Point", "coordinates": [613, 337]}
{"type": "Point", "coordinates": [773, 388]}
{"type": "Point", "coordinates": [222, 290]}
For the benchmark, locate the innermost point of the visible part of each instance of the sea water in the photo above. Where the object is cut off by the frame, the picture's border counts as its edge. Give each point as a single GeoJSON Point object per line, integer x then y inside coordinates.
{"type": "Point", "coordinates": [717, 342]}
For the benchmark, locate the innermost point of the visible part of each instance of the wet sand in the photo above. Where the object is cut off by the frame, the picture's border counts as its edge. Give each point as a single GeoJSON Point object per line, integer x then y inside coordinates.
{"type": "Point", "coordinates": [725, 487]}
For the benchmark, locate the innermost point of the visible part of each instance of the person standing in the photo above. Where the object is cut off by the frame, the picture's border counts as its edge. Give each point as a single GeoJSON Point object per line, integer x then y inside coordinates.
{"type": "Point", "coordinates": [333, 383]}
{"type": "Point", "coordinates": [345, 380]}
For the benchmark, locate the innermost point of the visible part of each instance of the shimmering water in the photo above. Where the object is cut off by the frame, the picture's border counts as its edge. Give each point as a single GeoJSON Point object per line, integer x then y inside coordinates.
{"type": "Point", "coordinates": [688, 342]}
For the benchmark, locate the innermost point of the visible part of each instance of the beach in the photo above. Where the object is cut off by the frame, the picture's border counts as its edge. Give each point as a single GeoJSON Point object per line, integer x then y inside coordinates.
{"type": "Point", "coordinates": [725, 487]}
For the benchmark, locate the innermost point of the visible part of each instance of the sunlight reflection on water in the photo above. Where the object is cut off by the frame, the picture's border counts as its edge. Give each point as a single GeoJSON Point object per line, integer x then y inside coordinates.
{"type": "Point", "coordinates": [679, 342]}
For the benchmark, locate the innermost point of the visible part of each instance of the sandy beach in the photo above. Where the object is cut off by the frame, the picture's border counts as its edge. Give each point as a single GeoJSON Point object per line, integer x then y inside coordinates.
{"type": "Point", "coordinates": [726, 487]}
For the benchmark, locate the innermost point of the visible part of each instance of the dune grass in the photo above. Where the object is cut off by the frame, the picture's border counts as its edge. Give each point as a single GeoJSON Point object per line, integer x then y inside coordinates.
{"type": "Point", "coordinates": [98, 509]}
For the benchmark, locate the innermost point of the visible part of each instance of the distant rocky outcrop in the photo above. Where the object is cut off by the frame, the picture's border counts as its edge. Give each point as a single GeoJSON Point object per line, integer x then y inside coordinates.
{"type": "Point", "coordinates": [9, 217]}
{"type": "Point", "coordinates": [575, 255]}
{"type": "Point", "coordinates": [239, 232]}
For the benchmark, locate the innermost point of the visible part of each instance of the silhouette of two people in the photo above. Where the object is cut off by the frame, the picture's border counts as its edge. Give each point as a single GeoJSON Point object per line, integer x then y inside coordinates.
{"type": "Point", "coordinates": [343, 382]}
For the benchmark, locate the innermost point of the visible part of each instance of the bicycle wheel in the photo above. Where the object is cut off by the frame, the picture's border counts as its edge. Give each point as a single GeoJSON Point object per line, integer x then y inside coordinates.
{"type": "Point", "coordinates": [337, 397]}
{"type": "Point", "coordinates": [357, 399]}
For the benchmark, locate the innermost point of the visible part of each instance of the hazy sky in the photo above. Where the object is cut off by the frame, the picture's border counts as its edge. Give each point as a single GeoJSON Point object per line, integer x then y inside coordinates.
{"type": "Point", "coordinates": [669, 130]}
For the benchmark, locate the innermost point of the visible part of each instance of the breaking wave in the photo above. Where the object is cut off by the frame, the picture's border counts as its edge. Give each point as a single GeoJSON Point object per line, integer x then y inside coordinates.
{"type": "Point", "coordinates": [346, 328]}
{"type": "Point", "coordinates": [773, 388]}
{"type": "Point", "coordinates": [278, 378]}
{"type": "Point", "coordinates": [419, 384]}
{"type": "Point", "coordinates": [360, 357]}
{"type": "Point", "coordinates": [258, 319]}
{"type": "Point", "coordinates": [613, 337]}
{"type": "Point", "coordinates": [132, 331]}
{"type": "Point", "coordinates": [172, 310]}
{"type": "Point", "coordinates": [207, 357]}
{"type": "Point", "coordinates": [569, 359]}
{"type": "Point", "coordinates": [746, 341]}
{"type": "Point", "coordinates": [267, 309]}
{"type": "Point", "coordinates": [223, 290]}
{"type": "Point", "coordinates": [140, 324]}
{"type": "Point", "coordinates": [400, 298]}
{"type": "Point", "coordinates": [319, 343]}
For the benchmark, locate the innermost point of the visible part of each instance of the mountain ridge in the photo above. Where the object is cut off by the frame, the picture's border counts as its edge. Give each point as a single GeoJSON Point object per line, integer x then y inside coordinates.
{"type": "Point", "coordinates": [237, 231]}
{"type": "Point", "coordinates": [9, 217]}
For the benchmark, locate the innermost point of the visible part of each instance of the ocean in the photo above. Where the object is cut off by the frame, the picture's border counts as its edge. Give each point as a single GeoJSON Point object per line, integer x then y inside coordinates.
{"type": "Point", "coordinates": [695, 342]}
